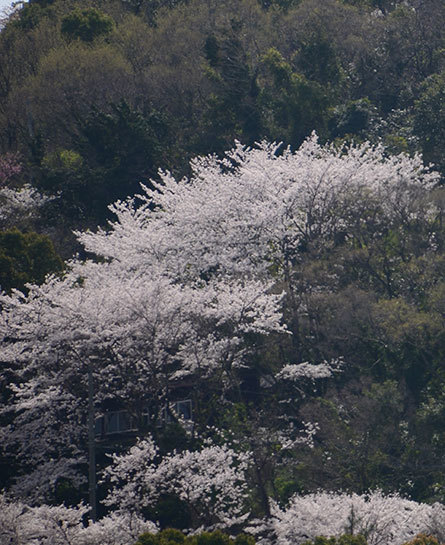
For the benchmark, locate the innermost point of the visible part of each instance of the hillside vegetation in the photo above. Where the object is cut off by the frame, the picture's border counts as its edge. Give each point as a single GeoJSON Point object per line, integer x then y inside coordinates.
{"type": "Point", "coordinates": [281, 269]}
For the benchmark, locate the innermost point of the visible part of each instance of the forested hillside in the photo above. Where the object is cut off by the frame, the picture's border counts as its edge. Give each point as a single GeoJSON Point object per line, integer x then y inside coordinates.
{"type": "Point", "coordinates": [222, 270]}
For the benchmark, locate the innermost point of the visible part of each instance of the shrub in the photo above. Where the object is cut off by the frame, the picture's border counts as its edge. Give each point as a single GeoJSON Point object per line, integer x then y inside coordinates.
{"type": "Point", "coordinates": [345, 539]}
{"type": "Point", "coordinates": [212, 538]}
{"type": "Point", "coordinates": [423, 539]}
{"type": "Point", "coordinates": [171, 536]}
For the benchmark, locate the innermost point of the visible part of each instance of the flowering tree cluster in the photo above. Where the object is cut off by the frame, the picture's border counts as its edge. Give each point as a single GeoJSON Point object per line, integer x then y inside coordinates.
{"type": "Point", "coordinates": [9, 167]}
{"type": "Point", "coordinates": [185, 281]}
{"type": "Point", "coordinates": [380, 519]}
{"type": "Point", "coordinates": [59, 525]}
{"type": "Point", "coordinates": [17, 204]}
{"type": "Point", "coordinates": [20, 205]}
{"type": "Point", "coordinates": [143, 332]}
{"type": "Point", "coordinates": [210, 482]}
{"type": "Point", "coordinates": [252, 212]}
{"type": "Point", "coordinates": [308, 371]}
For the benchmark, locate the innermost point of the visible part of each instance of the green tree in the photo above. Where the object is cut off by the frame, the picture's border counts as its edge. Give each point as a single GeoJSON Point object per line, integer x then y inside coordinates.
{"type": "Point", "coordinates": [429, 120]}
{"type": "Point", "coordinates": [360, 443]}
{"type": "Point", "coordinates": [31, 14]}
{"type": "Point", "coordinates": [296, 106]}
{"type": "Point", "coordinates": [114, 152]}
{"type": "Point", "coordinates": [69, 82]}
{"type": "Point", "coordinates": [86, 24]}
{"type": "Point", "coordinates": [280, 4]}
{"type": "Point", "coordinates": [317, 60]}
{"type": "Point", "coordinates": [121, 149]}
{"type": "Point", "coordinates": [232, 109]}
{"type": "Point", "coordinates": [26, 257]}
{"type": "Point", "coordinates": [352, 118]}
{"type": "Point", "coordinates": [344, 539]}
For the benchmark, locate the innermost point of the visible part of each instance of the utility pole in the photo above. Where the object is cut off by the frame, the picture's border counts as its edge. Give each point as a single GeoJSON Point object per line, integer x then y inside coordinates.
{"type": "Point", "coordinates": [91, 444]}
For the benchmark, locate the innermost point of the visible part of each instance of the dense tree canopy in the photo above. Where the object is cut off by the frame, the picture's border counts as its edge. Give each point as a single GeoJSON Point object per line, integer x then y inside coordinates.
{"type": "Point", "coordinates": [271, 69]}
{"type": "Point", "coordinates": [291, 292]}
{"type": "Point", "coordinates": [196, 281]}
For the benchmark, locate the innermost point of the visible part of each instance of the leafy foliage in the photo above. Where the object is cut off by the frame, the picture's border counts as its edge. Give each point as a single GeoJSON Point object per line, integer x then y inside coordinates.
{"type": "Point", "coordinates": [171, 536]}
{"type": "Point", "coordinates": [180, 295]}
{"type": "Point", "coordinates": [345, 539]}
{"type": "Point", "coordinates": [183, 290]}
{"type": "Point", "coordinates": [26, 258]}
{"type": "Point", "coordinates": [113, 153]}
{"type": "Point", "coordinates": [86, 24]}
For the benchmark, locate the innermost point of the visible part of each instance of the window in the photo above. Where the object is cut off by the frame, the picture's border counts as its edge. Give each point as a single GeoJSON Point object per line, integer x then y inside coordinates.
{"type": "Point", "coordinates": [184, 409]}
{"type": "Point", "coordinates": [115, 422]}
{"type": "Point", "coordinates": [122, 421]}
{"type": "Point", "coordinates": [181, 409]}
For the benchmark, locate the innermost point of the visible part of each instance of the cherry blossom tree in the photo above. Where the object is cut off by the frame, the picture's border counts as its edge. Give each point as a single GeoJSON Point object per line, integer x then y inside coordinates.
{"type": "Point", "coordinates": [258, 212]}
{"type": "Point", "coordinates": [20, 206]}
{"type": "Point", "coordinates": [381, 519]}
{"type": "Point", "coordinates": [210, 482]}
{"type": "Point", "coordinates": [378, 517]}
{"type": "Point", "coordinates": [251, 212]}
{"type": "Point", "coordinates": [141, 331]}
{"type": "Point", "coordinates": [21, 524]}
{"type": "Point", "coordinates": [185, 275]}
{"type": "Point", "coordinates": [9, 167]}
